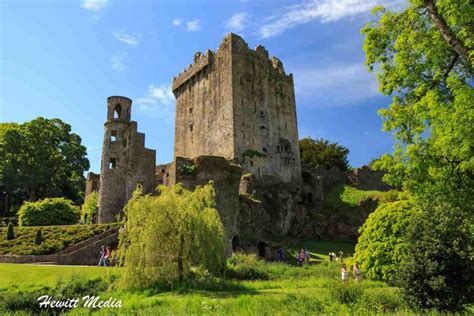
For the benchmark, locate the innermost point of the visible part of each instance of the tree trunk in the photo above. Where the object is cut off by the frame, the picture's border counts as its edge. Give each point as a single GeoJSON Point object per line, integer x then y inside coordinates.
{"type": "Point", "coordinates": [446, 32]}
{"type": "Point", "coordinates": [180, 260]}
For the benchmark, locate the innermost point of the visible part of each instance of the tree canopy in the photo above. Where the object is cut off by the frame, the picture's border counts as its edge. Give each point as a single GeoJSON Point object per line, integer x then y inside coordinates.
{"type": "Point", "coordinates": [167, 235]}
{"type": "Point", "coordinates": [423, 58]}
{"type": "Point", "coordinates": [321, 152]}
{"type": "Point", "coordinates": [42, 158]}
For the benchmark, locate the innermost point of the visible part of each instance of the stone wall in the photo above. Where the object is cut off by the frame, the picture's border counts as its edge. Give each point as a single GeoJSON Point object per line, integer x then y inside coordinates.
{"type": "Point", "coordinates": [365, 178]}
{"type": "Point", "coordinates": [92, 183]}
{"type": "Point", "coordinates": [226, 178]}
{"type": "Point", "coordinates": [239, 104]}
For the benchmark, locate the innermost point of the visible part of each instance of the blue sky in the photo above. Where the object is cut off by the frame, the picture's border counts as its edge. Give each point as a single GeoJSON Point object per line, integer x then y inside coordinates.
{"type": "Point", "coordinates": [63, 58]}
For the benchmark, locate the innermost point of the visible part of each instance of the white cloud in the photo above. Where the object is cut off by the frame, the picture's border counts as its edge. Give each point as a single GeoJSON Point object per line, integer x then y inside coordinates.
{"type": "Point", "coordinates": [237, 22]}
{"type": "Point", "coordinates": [323, 10]}
{"type": "Point", "coordinates": [335, 85]}
{"type": "Point", "coordinates": [193, 25]}
{"type": "Point", "coordinates": [127, 38]}
{"type": "Point", "coordinates": [177, 22]}
{"type": "Point", "coordinates": [94, 5]}
{"type": "Point", "coordinates": [158, 101]}
{"type": "Point", "coordinates": [119, 61]}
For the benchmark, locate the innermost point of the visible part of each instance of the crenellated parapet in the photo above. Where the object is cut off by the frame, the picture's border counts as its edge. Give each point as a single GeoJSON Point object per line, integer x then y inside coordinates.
{"type": "Point", "coordinates": [200, 62]}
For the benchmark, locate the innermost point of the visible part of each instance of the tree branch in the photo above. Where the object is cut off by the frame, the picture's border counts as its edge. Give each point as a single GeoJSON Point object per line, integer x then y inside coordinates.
{"type": "Point", "coordinates": [446, 32]}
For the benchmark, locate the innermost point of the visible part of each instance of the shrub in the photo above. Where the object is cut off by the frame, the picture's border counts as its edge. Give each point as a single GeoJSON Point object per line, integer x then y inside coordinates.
{"type": "Point", "coordinates": [381, 247]}
{"type": "Point", "coordinates": [52, 211]}
{"type": "Point", "coordinates": [10, 232]}
{"type": "Point", "coordinates": [246, 267]}
{"type": "Point", "coordinates": [438, 272]}
{"type": "Point", "coordinates": [89, 208]}
{"type": "Point", "coordinates": [38, 237]}
{"type": "Point", "coordinates": [345, 293]}
{"type": "Point", "coordinates": [168, 234]}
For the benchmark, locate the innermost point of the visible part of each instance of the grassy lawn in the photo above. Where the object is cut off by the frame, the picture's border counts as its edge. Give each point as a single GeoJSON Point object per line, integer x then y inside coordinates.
{"type": "Point", "coordinates": [342, 197]}
{"type": "Point", "coordinates": [30, 276]}
{"type": "Point", "coordinates": [55, 238]}
{"type": "Point", "coordinates": [311, 289]}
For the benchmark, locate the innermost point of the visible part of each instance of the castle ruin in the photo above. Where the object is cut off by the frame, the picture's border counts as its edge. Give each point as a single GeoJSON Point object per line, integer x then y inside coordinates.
{"type": "Point", "coordinates": [236, 125]}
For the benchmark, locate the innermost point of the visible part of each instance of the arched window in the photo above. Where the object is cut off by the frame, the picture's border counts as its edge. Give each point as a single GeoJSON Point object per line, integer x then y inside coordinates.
{"type": "Point", "coordinates": [117, 111]}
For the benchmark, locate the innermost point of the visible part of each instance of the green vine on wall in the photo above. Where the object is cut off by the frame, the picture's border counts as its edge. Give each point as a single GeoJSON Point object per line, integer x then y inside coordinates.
{"type": "Point", "coordinates": [252, 153]}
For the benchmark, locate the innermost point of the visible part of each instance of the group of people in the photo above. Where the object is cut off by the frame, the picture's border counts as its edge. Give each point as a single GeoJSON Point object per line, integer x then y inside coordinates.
{"type": "Point", "coordinates": [302, 256]}
{"type": "Point", "coordinates": [339, 256]}
{"type": "Point", "coordinates": [356, 273]}
{"type": "Point", "coordinates": [104, 257]}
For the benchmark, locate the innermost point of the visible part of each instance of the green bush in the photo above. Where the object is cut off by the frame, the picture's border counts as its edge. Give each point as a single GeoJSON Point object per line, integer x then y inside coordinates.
{"type": "Point", "coordinates": [38, 237]}
{"type": "Point", "coordinates": [438, 272]}
{"type": "Point", "coordinates": [52, 211]}
{"type": "Point", "coordinates": [345, 293]}
{"type": "Point", "coordinates": [10, 232]}
{"type": "Point", "coordinates": [246, 267]}
{"type": "Point", "coordinates": [89, 208]}
{"type": "Point", "coordinates": [381, 247]}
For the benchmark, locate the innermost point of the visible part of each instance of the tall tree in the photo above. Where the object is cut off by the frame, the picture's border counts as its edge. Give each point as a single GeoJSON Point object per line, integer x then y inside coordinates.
{"type": "Point", "coordinates": [43, 158]}
{"type": "Point", "coordinates": [321, 152]}
{"type": "Point", "coordinates": [423, 56]}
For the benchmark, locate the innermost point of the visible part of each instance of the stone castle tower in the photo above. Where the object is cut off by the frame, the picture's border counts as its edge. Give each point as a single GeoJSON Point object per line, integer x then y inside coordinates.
{"type": "Point", "coordinates": [239, 104]}
{"type": "Point", "coordinates": [126, 163]}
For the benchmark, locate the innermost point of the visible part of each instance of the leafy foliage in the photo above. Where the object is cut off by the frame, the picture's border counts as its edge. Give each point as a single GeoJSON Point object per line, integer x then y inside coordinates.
{"type": "Point", "coordinates": [166, 235]}
{"type": "Point", "coordinates": [424, 59]}
{"type": "Point", "coordinates": [54, 238]}
{"type": "Point", "coordinates": [89, 208]}
{"type": "Point", "coordinates": [55, 211]}
{"type": "Point", "coordinates": [321, 152]}
{"type": "Point", "coordinates": [343, 196]}
{"type": "Point", "coordinates": [438, 271]}
{"type": "Point", "coordinates": [38, 237]}
{"type": "Point", "coordinates": [10, 232]}
{"type": "Point", "coordinates": [432, 110]}
{"type": "Point", "coordinates": [381, 246]}
{"type": "Point", "coordinates": [252, 153]}
{"type": "Point", "coordinates": [246, 267]}
{"type": "Point", "coordinates": [188, 169]}
{"type": "Point", "coordinates": [42, 158]}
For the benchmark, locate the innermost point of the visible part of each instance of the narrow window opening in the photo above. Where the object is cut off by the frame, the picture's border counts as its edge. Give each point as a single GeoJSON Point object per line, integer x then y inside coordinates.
{"type": "Point", "coordinates": [113, 136]}
{"type": "Point", "coordinates": [264, 149]}
{"type": "Point", "coordinates": [251, 163]}
{"type": "Point", "coordinates": [190, 127]}
{"type": "Point", "coordinates": [190, 110]}
{"type": "Point", "coordinates": [112, 163]}
{"type": "Point", "coordinates": [117, 111]}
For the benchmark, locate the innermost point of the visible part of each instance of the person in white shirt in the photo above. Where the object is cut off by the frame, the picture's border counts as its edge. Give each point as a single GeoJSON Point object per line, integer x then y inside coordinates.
{"type": "Point", "coordinates": [356, 272]}
{"type": "Point", "coordinates": [344, 273]}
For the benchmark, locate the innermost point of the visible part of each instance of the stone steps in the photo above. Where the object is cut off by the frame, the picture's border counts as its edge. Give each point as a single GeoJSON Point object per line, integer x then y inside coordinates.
{"type": "Point", "coordinates": [86, 252]}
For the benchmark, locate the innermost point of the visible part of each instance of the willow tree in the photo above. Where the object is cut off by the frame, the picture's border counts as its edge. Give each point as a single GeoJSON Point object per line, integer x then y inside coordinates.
{"type": "Point", "coordinates": [165, 235]}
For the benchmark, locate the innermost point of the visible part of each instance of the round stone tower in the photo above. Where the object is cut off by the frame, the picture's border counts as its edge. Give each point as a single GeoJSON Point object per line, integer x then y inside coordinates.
{"type": "Point", "coordinates": [114, 164]}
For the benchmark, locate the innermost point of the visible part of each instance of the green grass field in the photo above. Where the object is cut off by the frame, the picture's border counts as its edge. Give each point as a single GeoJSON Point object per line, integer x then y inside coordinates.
{"type": "Point", "coordinates": [291, 290]}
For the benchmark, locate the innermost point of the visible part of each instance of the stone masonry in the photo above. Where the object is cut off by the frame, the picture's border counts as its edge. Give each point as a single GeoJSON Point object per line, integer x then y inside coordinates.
{"type": "Point", "coordinates": [126, 163]}
{"type": "Point", "coordinates": [239, 104]}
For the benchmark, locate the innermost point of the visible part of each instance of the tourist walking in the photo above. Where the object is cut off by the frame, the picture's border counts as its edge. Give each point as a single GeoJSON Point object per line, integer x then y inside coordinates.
{"type": "Point", "coordinates": [281, 253]}
{"type": "Point", "coordinates": [306, 255]}
{"type": "Point", "coordinates": [357, 274]}
{"type": "Point", "coordinates": [344, 273]}
{"type": "Point", "coordinates": [300, 257]}
{"type": "Point", "coordinates": [106, 256]}
{"type": "Point", "coordinates": [102, 257]}
{"type": "Point", "coordinates": [341, 258]}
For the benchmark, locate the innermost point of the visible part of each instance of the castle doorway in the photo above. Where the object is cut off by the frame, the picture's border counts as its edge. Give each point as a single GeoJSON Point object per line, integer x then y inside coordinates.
{"type": "Point", "coordinates": [261, 247]}
{"type": "Point", "coordinates": [235, 243]}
